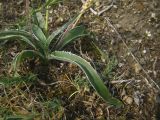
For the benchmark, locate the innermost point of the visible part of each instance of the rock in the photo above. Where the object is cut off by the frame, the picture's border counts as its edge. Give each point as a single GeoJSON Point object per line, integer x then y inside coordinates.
{"type": "Point", "coordinates": [137, 68]}
{"type": "Point", "coordinates": [128, 100]}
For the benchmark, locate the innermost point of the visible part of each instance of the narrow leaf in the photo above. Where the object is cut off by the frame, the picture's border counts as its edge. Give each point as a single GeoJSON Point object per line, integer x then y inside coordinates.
{"type": "Point", "coordinates": [91, 74]}
{"type": "Point", "coordinates": [40, 20]}
{"type": "Point", "coordinates": [23, 55]}
{"type": "Point", "coordinates": [41, 39]}
{"type": "Point", "coordinates": [19, 117]}
{"type": "Point", "coordinates": [38, 33]}
{"type": "Point", "coordinates": [15, 34]}
{"type": "Point", "coordinates": [60, 30]}
{"type": "Point", "coordinates": [72, 35]}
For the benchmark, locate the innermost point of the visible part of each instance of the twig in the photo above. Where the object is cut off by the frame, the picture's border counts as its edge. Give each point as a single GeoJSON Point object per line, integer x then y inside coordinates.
{"type": "Point", "coordinates": [50, 84]}
{"type": "Point", "coordinates": [105, 9]}
{"type": "Point", "coordinates": [154, 67]}
{"type": "Point", "coordinates": [27, 13]}
{"type": "Point", "coordinates": [102, 11]}
{"type": "Point", "coordinates": [27, 8]}
{"type": "Point", "coordinates": [124, 81]}
{"type": "Point", "coordinates": [108, 114]}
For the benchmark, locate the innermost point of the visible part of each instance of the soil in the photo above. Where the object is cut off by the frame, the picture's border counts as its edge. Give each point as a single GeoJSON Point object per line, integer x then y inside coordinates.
{"type": "Point", "coordinates": [130, 31]}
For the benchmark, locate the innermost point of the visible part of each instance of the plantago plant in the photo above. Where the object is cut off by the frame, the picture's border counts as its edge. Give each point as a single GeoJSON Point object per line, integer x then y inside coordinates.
{"type": "Point", "coordinates": [41, 44]}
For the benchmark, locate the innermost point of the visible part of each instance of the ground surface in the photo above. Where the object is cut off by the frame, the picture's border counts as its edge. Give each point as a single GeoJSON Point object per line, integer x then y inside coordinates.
{"type": "Point", "coordinates": [129, 31]}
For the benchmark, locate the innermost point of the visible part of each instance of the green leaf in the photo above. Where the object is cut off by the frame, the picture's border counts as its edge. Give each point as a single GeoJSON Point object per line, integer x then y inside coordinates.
{"type": "Point", "coordinates": [60, 30]}
{"type": "Point", "coordinates": [91, 74]}
{"type": "Point", "coordinates": [9, 81]}
{"type": "Point", "coordinates": [19, 117]}
{"type": "Point", "coordinates": [34, 17]}
{"type": "Point", "coordinates": [74, 33]}
{"type": "Point", "coordinates": [23, 55]}
{"type": "Point", "coordinates": [40, 20]}
{"type": "Point", "coordinates": [104, 56]}
{"type": "Point", "coordinates": [15, 34]}
{"type": "Point", "coordinates": [23, 36]}
{"type": "Point", "coordinates": [40, 37]}
{"type": "Point", "coordinates": [110, 66]}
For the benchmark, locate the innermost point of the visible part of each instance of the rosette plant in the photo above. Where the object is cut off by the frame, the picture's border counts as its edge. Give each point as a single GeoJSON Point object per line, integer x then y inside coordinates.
{"type": "Point", "coordinates": [48, 47]}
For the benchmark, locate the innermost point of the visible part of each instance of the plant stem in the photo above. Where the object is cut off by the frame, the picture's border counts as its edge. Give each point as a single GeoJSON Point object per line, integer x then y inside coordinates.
{"type": "Point", "coordinates": [28, 20]}
{"type": "Point", "coordinates": [85, 6]}
{"type": "Point", "coordinates": [46, 20]}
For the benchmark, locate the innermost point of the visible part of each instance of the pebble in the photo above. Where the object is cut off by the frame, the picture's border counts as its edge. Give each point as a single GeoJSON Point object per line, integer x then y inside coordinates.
{"type": "Point", "coordinates": [148, 33]}
{"type": "Point", "coordinates": [144, 51]}
{"type": "Point", "coordinates": [137, 68]}
{"type": "Point", "coordinates": [128, 100]}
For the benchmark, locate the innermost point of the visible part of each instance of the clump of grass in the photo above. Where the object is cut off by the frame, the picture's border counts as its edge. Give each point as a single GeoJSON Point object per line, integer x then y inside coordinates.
{"type": "Point", "coordinates": [9, 81]}
{"type": "Point", "coordinates": [4, 112]}
{"type": "Point", "coordinates": [110, 62]}
{"type": "Point", "coordinates": [54, 109]}
{"type": "Point", "coordinates": [81, 86]}
{"type": "Point", "coordinates": [111, 65]}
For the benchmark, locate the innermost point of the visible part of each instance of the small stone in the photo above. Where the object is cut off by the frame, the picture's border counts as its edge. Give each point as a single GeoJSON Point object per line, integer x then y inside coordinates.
{"type": "Point", "coordinates": [118, 25]}
{"type": "Point", "coordinates": [136, 97]}
{"type": "Point", "coordinates": [128, 100]}
{"type": "Point", "coordinates": [97, 3]}
{"type": "Point", "coordinates": [115, 6]}
{"type": "Point", "coordinates": [148, 33]}
{"type": "Point", "coordinates": [51, 11]}
{"type": "Point", "coordinates": [13, 54]}
{"type": "Point", "coordinates": [137, 68]}
{"type": "Point", "coordinates": [140, 41]}
{"type": "Point", "coordinates": [120, 65]}
{"type": "Point", "coordinates": [144, 51]}
{"type": "Point", "coordinates": [153, 15]}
